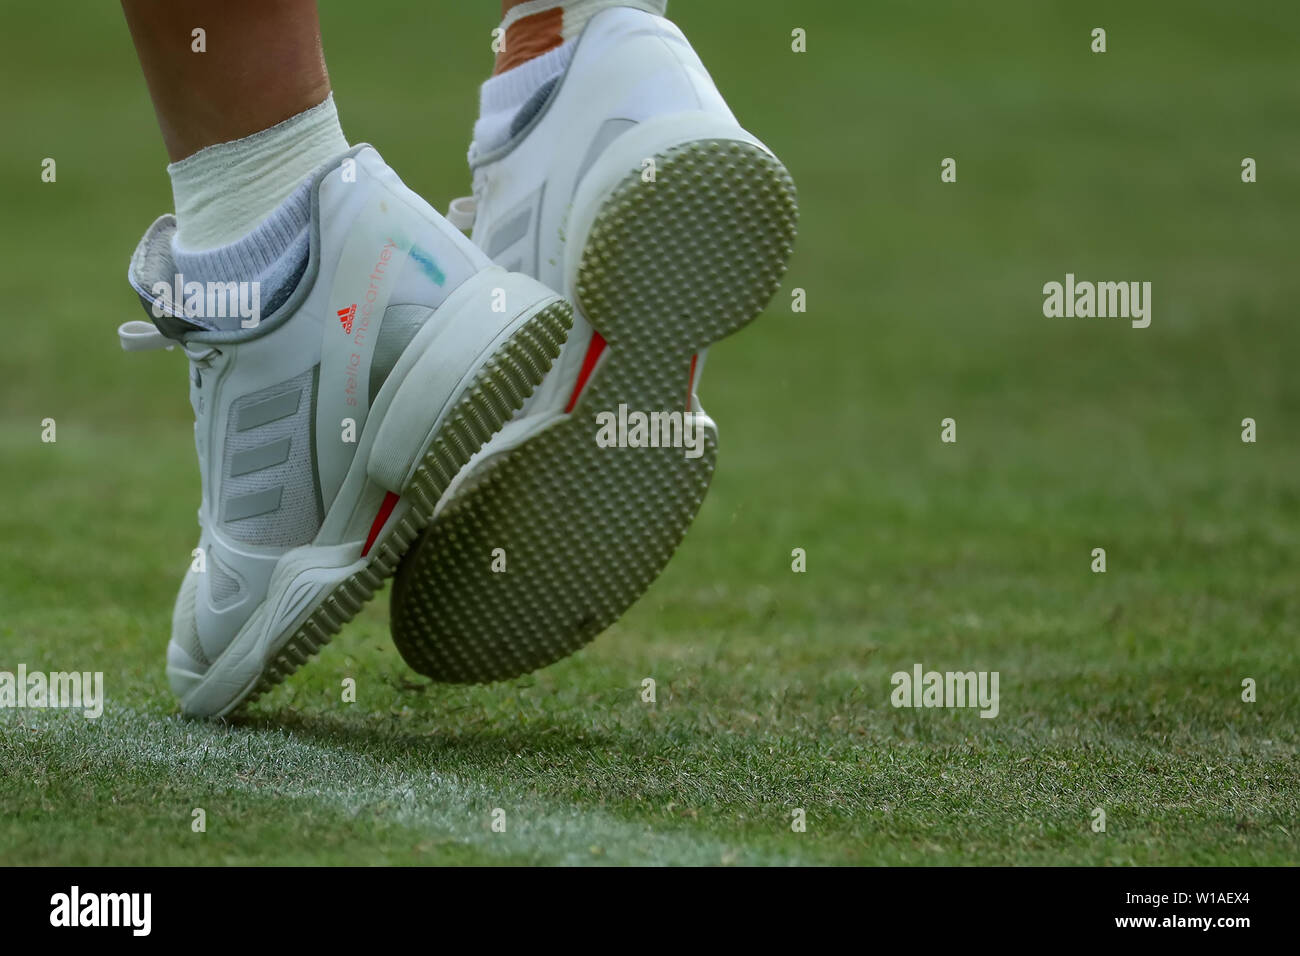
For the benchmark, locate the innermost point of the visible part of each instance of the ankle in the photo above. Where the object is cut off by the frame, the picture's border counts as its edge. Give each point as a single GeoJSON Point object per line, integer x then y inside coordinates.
{"type": "Point", "coordinates": [536, 27]}
{"type": "Point", "coordinates": [224, 191]}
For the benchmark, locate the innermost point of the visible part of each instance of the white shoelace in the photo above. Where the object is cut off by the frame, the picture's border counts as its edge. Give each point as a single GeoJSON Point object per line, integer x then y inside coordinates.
{"type": "Point", "coordinates": [462, 213]}
{"type": "Point", "coordinates": [140, 336]}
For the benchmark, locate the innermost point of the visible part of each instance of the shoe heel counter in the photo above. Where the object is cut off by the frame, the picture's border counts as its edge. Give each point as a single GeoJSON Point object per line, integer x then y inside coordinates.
{"type": "Point", "coordinates": [670, 76]}
{"type": "Point", "coordinates": [426, 225]}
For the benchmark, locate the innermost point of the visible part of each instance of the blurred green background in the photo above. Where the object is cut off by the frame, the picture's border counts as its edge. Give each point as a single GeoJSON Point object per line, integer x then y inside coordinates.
{"type": "Point", "coordinates": [1119, 691]}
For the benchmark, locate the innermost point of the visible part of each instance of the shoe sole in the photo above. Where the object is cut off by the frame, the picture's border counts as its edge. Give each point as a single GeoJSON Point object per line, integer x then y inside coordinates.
{"type": "Point", "coordinates": [496, 392]}
{"type": "Point", "coordinates": [668, 269]}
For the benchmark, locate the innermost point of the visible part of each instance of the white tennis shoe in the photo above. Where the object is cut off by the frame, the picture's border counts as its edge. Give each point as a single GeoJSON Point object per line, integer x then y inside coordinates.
{"type": "Point", "coordinates": [327, 433]}
{"type": "Point", "coordinates": [629, 186]}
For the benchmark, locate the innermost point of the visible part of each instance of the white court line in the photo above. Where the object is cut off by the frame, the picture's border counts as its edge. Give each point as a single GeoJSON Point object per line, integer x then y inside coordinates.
{"type": "Point", "coordinates": [341, 781]}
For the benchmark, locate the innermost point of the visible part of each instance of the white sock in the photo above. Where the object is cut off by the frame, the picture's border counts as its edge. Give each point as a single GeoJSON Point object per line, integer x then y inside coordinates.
{"type": "Point", "coordinates": [224, 191]}
{"type": "Point", "coordinates": [503, 97]}
{"type": "Point", "coordinates": [577, 12]}
{"type": "Point", "coordinates": [243, 208]}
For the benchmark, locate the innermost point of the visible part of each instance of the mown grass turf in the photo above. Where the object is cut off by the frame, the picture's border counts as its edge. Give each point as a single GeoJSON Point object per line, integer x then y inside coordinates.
{"type": "Point", "coordinates": [1118, 690]}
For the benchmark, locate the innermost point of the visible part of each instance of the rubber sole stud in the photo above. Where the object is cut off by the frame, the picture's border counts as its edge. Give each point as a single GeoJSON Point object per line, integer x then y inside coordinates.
{"type": "Point", "coordinates": [669, 268]}
{"type": "Point", "coordinates": [499, 389]}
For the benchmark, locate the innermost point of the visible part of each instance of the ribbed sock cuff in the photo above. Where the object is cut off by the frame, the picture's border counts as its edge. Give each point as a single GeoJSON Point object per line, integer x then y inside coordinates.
{"type": "Point", "coordinates": [501, 97]}
{"type": "Point", "coordinates": [247, 258]}
{"type": "Point", "coordinates": [274, 256]}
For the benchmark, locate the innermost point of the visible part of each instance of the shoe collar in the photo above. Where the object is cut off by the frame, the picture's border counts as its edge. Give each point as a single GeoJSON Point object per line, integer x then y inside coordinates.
{"type": "Point", "coordinates": [152, 264]}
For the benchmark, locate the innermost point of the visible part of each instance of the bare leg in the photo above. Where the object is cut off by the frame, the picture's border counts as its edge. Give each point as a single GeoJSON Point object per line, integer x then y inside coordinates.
{"type": "Point", "coordinates": [263, 64]}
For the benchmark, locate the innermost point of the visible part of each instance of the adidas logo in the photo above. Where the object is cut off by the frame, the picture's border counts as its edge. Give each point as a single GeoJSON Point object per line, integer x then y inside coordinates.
{"type": "Point", "coordinates": [346, 316]}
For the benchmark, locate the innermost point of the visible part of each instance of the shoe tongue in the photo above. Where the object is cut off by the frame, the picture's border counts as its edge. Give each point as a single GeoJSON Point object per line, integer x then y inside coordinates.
{"type": "Point", "coordinates": [152, 268]}
{"type": "Point", "coordinates": [186, 290]}
{"type": "Point", "coordinates": [165, 317]}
